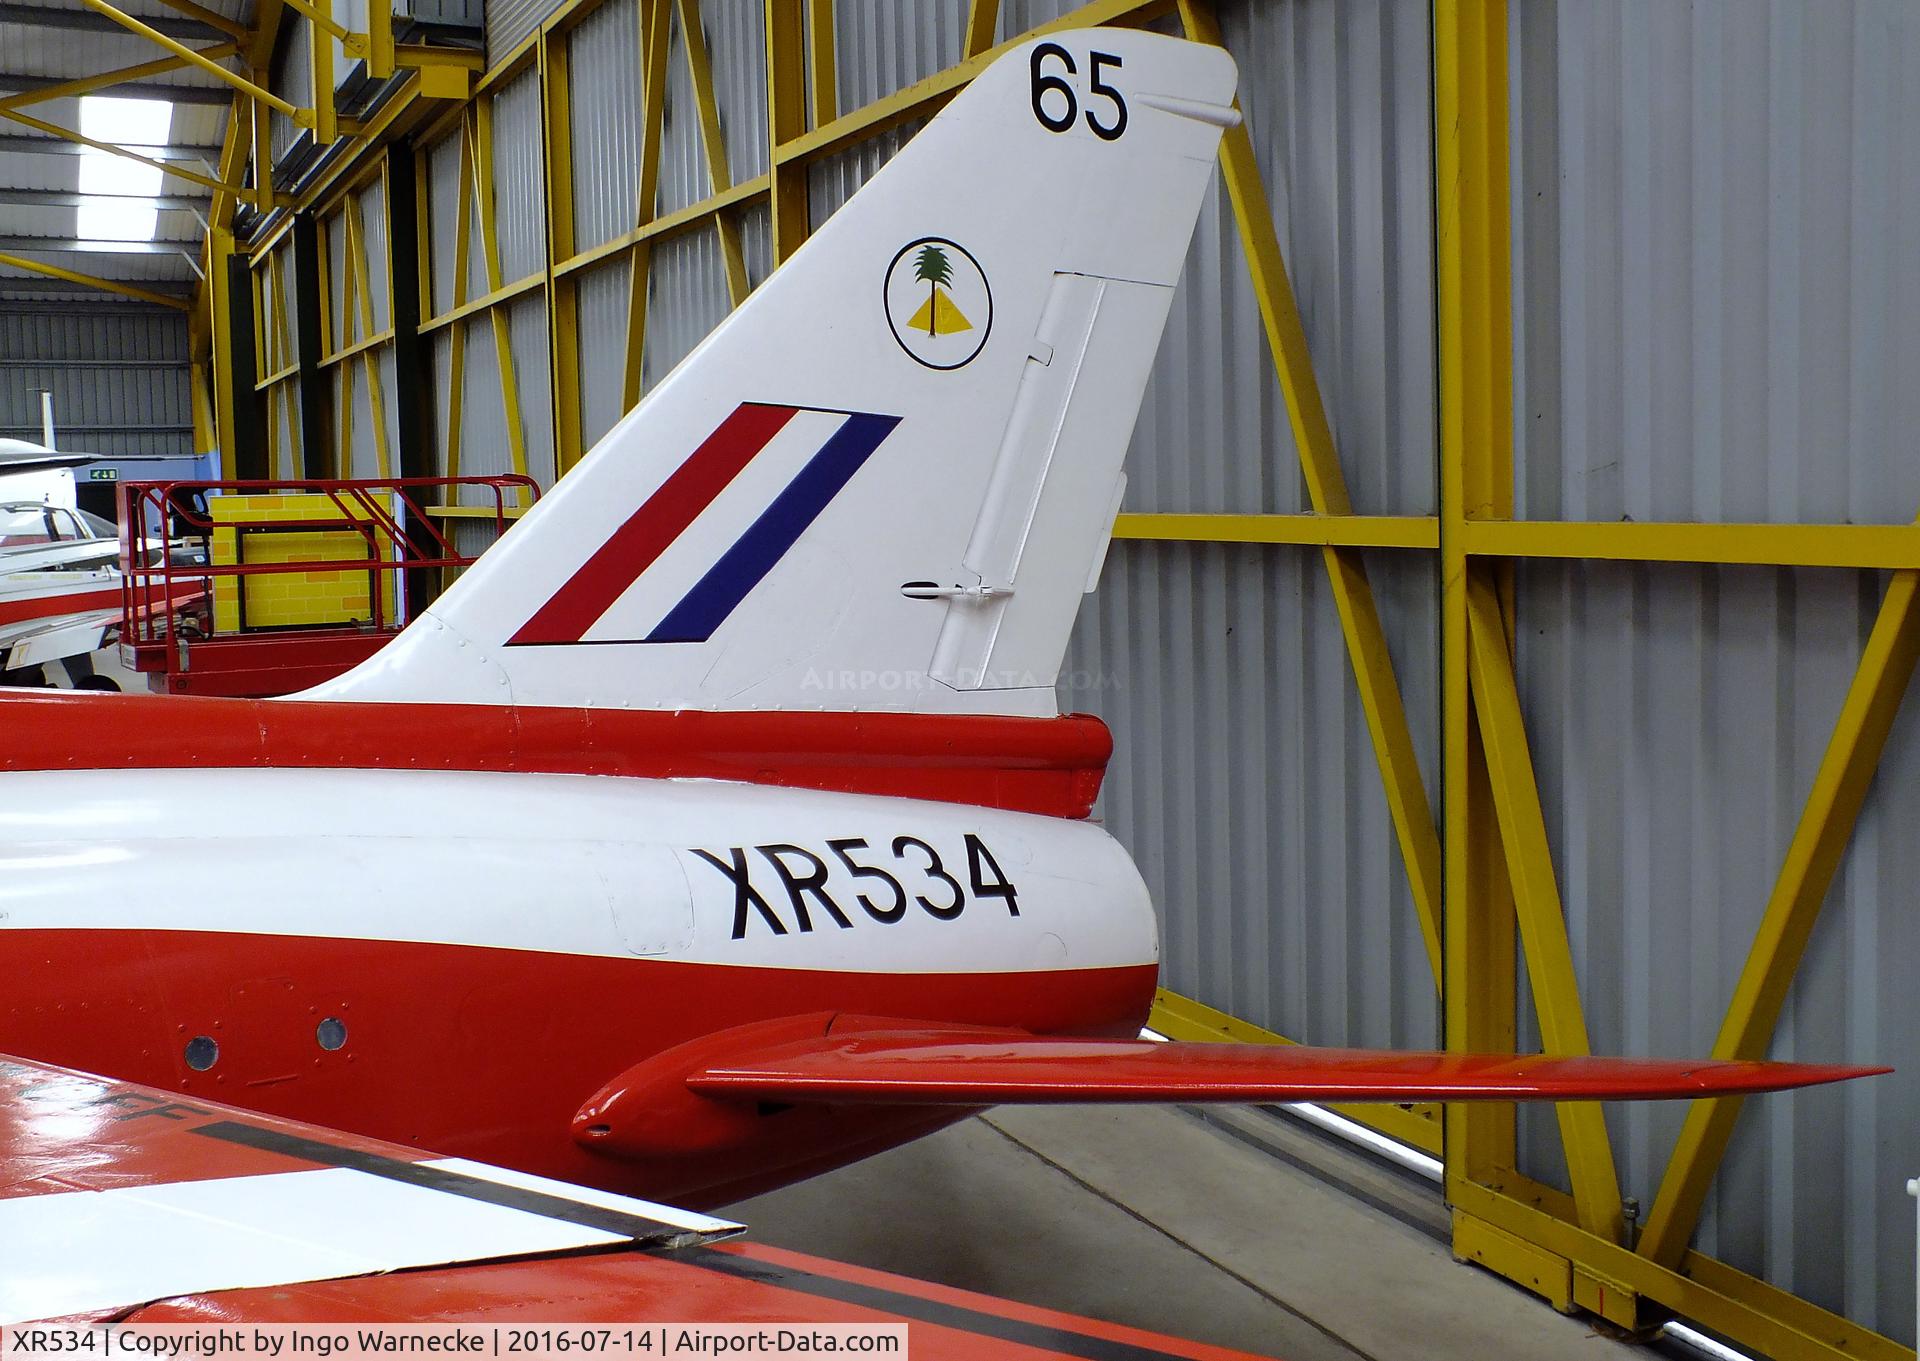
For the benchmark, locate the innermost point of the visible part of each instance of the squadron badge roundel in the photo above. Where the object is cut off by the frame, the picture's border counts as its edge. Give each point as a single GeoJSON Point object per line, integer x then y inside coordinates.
{"type": "Point", "coordinates": [938, 302]}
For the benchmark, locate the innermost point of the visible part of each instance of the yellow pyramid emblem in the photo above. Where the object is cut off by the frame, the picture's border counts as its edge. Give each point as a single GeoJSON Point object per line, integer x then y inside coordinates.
{"type": "Point", "coordinates": [938, 316]}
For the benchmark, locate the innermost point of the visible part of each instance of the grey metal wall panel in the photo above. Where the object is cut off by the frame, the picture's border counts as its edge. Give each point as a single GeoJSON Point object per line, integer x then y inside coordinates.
{"type": "Point", "coordinates": [373, 224]}
{"type": "Point", "coordinates": [1712, 210]}
{"type": "Point", "coordinates": [1017, 16]}
{"type": "Point", "coordinates": [510, 21]}
{"type": "Point", "coordinates": [118, 375]}
{"type": "Point", "coordinates": [1244, 783]}
{"type": "Point", "coordinates": [687, 297]}
{"type": "Point", "coordinates": [684, 178]}
{"type": "Point", "coordinates": [284, 455]}
{"type": "Point", "coordinates": [484, 445]}
{"type": "Point", "coordinates": [363, 449]}
{"type": "Point", "coordinates": [519, 183]}
{"type": "Point", "coordinates": [756, 242]}
{"type": "Point", "coordinates": [279, 322]}
{"type": "Point", "coordinates": [443, 212]}
{"type": "Point", "coordinates": [370, 425]}
{"type": "Point", "coordinates": [1720, 202]}
{"type": "Point", "coordinates": [483, 418]}
{"type": "Point", "coordinates": [832, 180]}
{"type": "Point", "coordinates": [452, 13]}
{"type": "Point", "coordinates": [340, 299]}
{"type": "Point", "coordinates": [601, 310]}
{"type": "Point", "coordinates": [440, 345]}
{"type": "Point", "coordinates": [290, 75]}
{"type": "Point", "coordinates": [472, 537]}
{"type": "Point", "coordinates": [603, 58]}
{"type": "Point", "coordinates": [527, 334]}
{"type": "Point", "coordinates": [880, 46]}
{"type": "Point", "coordinates": [736, 32]}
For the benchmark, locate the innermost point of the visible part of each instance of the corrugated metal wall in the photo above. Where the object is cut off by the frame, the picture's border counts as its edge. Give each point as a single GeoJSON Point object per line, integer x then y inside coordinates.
{"type": "Point", "coordinates": [118, 375]}
{"type": "Point", "coordinates": [1717, 213]}
{"type": "Point", "coordinates": [508, 22]}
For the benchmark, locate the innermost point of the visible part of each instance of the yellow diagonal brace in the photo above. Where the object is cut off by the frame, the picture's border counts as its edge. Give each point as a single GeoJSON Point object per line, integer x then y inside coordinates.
{"type": "Point", "coordinates": [212, 19]}
{"type": "Point", "coordinates": [74, 276]}
{"type": "Point", "coordinates": [81, 85]}
{"type": "Point", "coordinates": [1326, 486]}
{"type": "Point", "coordinates": [1536, 900]}
{"type": "Point", "coordinates": [480, 148]}
{"type": "Point", "coordinates": [259, 119]}
{"type": "Point", "coordinates": [654, 25]}
{"type": "Point", "coordinates": [457, 344]}
{"type": "Point", "coordinates": [1826, 825]}
{"type": "Point", "coordinates": [343, 374]}
{"type": "Point", "coordinates": [167, 167]}
{"type": "Point", "coordinates": [362, 270]}
{"type": "Point", "coordinates": [700, 66]}
{"type": "Point", "coordinates": [320, 17]}
{"type": "Point", "coordinates": [823, 78]}
{"type": "Point", "coordinates": [983, 17]}
{"type": "Point", "coordinates": [278, 264]}
{"type": "Point", "coordinates": [304, 117]}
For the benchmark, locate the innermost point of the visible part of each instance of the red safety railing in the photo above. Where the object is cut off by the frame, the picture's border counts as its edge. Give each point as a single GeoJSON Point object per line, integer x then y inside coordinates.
{"type": "Point", "coordinates": [168, 605]}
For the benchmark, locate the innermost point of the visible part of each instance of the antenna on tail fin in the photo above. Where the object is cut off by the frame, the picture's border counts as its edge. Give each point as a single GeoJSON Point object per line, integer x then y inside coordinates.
{"type": "Point", "coordinates": [886, 480]}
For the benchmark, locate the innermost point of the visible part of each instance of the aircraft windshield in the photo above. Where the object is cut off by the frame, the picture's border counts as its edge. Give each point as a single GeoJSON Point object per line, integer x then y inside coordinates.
{"type": "Point", "coordinates": [22, 525]}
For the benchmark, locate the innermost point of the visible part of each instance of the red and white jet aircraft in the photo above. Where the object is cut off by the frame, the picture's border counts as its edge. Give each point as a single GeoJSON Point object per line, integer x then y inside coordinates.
{"type": "Point", "coordinates": [718, 827]}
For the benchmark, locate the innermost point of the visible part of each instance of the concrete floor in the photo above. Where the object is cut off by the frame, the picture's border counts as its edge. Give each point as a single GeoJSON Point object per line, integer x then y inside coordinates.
{"type": "Point", "coordinates": [1157, 1218]}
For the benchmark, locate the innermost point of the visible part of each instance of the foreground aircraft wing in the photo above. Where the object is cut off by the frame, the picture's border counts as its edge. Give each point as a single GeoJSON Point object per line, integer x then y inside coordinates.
{"type": "Point", "coordinates": [125, 1203]}
{"type": "Point", "coordinates": [34, 641]}
{"type": "Point", "coordinates": [944, 1067]}
{"type": "Point", "coordinates": [113, 1195]}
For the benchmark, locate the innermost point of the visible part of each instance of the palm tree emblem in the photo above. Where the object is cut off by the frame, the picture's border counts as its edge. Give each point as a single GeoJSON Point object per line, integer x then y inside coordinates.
{"type": "Point", "coordinates": [938, 314]}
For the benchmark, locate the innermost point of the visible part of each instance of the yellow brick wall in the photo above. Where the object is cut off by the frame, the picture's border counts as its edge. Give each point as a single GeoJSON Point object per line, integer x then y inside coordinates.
{"type": "Point", "coordinates": [243, 524]}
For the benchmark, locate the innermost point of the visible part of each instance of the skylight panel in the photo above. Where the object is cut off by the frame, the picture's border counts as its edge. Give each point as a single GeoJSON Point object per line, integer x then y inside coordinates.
{"type": "Point", "coordinates": [132, 123]}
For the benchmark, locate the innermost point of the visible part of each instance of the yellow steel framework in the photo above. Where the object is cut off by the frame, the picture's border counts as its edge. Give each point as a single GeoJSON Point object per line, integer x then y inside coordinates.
{"type": "Point", "coordinates": [276, 362]}
{"type": "Point", "coordinates": [1482, 875]}
{"type": "Point", "coordinates": [350, 340]}
{"type": "Point", "coordinates": [74, 276]}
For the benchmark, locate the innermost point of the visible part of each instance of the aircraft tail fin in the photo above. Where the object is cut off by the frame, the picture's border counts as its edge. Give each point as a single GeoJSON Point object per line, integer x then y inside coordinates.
{"type": "Point", "coordinates": [887, 479]}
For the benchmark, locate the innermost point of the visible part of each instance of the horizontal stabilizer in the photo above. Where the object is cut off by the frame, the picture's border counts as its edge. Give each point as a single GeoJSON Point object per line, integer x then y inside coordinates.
{"type": "Point", "coordinates": [935, 1067]}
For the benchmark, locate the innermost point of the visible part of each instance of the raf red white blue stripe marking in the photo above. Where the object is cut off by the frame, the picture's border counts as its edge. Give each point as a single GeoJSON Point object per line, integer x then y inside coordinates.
{"type": "Point", "coordinates": [666, 515]}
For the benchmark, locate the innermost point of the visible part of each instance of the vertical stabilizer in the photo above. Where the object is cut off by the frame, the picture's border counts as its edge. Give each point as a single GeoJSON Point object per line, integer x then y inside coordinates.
{"type": "Point", "coordinates": [887, 479]}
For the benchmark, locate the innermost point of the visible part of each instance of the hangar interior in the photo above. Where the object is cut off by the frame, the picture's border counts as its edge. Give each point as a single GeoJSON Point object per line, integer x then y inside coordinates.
{"type": "Point", "coordinates": [1506, 629]}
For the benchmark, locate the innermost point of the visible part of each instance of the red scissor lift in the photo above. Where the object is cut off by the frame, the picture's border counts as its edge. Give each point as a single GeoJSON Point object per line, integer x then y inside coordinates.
{"type": "Point", "coordinates": [387, 520]}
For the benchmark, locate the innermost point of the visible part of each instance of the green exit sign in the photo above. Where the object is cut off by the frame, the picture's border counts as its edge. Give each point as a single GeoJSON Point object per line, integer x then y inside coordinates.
{"type": "Point", "coordinates": [103, 474]}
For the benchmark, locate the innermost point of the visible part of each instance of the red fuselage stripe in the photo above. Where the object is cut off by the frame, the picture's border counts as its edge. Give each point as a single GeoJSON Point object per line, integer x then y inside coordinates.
{"type": "Point", "coordinates": [1032, 765]}
{"type": "Point", "coordinates": [661, 519]}
{"type": "Point", "coordinates": [57, 603]}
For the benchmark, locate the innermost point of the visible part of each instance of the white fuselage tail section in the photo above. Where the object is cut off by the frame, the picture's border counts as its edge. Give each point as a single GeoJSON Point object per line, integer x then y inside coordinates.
{"type": "Point", "coordinates": [886, 480]}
